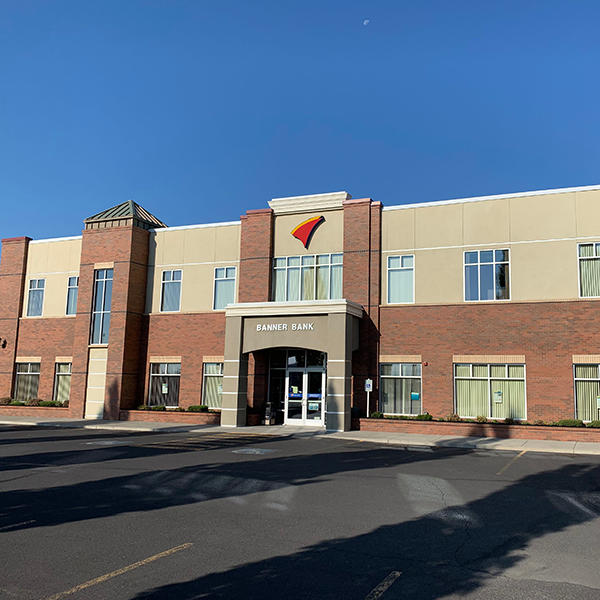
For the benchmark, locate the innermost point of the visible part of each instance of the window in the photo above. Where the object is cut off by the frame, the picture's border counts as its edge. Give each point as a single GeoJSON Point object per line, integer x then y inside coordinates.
{"type": "Point", "coordinates": [103, 280]}
{"type": "Point", "coordinates": [36, 297]}
{"type": "Point", "coordinates": [170, 291]}
{"type": "Point", "coordinates": [212, 384]}
{"type": "Point", "coordinates": [493, 391]}
{"type": "Point", "coordinates": [486, 275]}
{"type": "Point", "coordinates": [62, 382]}
{"type": "Point", "coordinates": [400, 279]}
{"type": "Point", "coordinates": [224, 287]}
{"type": "Point", "coordinates": [400, 386]}
{"type": "Point", "coordinates": [309, 277]}
{"type": "Point", "coordinates": [27, 381]}
{"type": "Point", "coordinates": [587, 391]}
{"type": "Point", "coordinates": [589, 270]}
{"type": "Point", "coordinates": [72, 291]}
{"type": "Point", "coordinates": [164, 384]}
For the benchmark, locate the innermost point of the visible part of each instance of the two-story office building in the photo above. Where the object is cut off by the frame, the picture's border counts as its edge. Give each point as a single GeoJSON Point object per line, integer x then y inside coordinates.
{"type": "Point", "coordinates": [481, 306]}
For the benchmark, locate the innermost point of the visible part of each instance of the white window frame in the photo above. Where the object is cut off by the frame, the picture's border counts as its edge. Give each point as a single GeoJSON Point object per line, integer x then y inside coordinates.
{"type": "Point", "coordinates": [287, 266]}
{"type": "Point", "coordinates": [478, 264]}
{"type": "Point", "coordinates": [489, 384]}
{"type": "Point", "coordinates": [381, 376]}
{"type": "Point", "coordinates": [595, 244]}
{"type": "Point", "coordinates": [162, 289]}
{"type": "Point", "coordinates": [204, 375]}
{"type": "Point", "coordinates": [57, 375]}
{"type": "Point", "coordinates": [101, 312]}
{"type": "Point", "coordinates": [576, 379]}
{"type": "Point", "coordinates": [400, 268]}
{"type": "Point", "coordinates": [37, 288]}
{"type": "Point", "coordinates": [215, 279]}
{"type": "Point", "coordinates": [69, 288]}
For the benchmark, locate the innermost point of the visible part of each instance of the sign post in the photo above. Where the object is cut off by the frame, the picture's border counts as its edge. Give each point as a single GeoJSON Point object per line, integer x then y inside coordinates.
{"type": "Point", "coordinates": [368, 389]}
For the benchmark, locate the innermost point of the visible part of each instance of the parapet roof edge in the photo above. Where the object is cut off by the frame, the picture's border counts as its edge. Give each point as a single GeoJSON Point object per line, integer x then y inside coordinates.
{"type": "Point", "coordinates": [200, 226]}
{"type": "Point", "coordinates": [566, 190]}
{"type": "Point", "coordinates": [57, 239]}
{"type": "Point", "coordinates": [295, 204]}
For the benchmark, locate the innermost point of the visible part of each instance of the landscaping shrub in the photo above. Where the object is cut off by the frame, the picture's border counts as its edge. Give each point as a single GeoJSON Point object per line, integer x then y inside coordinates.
{"type": "Point", "coordinates": [571, 423]}
{"type": "Point", "coordinates": [424, 417]}
{"type": "Point", "coordinates": [158, 408]}
{"type": "Point", "coordinates": [509, 421]}
{"type": "Point", "coordinates": [539, 422]}
{"type": "Point", "coordinates": [594, 424]}
{"type": "Point", "coordinates": [198, 408]}
{"type": "Point", "coordinates": [481, 419]}
{"type": "Point", "coordinates": [5, 401]}
{"type": "Point", "coordinates": [16, 403]}
{"type": "Point", "coordinates": [452, 418]}
{"type": "Point", "coordinates": [376, 415]}
{"type": "Point", "coordinates": [33, 402]}
{"type": "Point", "coordinates": [143, 407]}
{"type": "Point", "coordinates": [49, 403]}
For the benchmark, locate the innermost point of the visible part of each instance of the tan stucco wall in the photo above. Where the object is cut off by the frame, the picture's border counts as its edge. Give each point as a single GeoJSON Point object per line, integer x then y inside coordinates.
{"type": "Point", "coordinates": [329, 237]}
{"type": "Point", "coordinates": [55, 261]}
{"type": "Point", "coordinates": [196, 251]}
{"type": "Point", "coordinates": [541, 232]}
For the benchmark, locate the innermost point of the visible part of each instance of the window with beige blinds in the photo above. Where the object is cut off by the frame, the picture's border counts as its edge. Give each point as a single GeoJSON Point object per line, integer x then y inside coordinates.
{"type": "Point", "coordinates": [494, 391]}
{"type": "Point", "coordinates": [212, 384]}
{"type": "Point", "coordinates": [62, 382]}
{"type": "Point", "coordinates": [587, 392]}
{"type": "Point", "coordinates": [589, 270]}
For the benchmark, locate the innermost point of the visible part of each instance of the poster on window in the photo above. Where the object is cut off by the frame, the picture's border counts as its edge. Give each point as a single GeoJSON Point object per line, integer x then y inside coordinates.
{"type": "Point", "coordinates": [165, 388]}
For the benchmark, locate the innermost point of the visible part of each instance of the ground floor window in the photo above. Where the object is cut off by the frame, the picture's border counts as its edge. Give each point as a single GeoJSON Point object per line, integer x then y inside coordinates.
{"type": "Point", "coordinates": [587, 392]}
{"type": "Point", "coordinates": [212, 384]}
{"type": "Point", "coordinates": [62, 382]}
{"type": "Point", "coordinates": [27, 381]}
{"type": "Point", "coordinates": [400, 385]}
{"type": "Point", "coordinates": [164, 384]}
{"type": "Point", "coordinates": [492, 391]}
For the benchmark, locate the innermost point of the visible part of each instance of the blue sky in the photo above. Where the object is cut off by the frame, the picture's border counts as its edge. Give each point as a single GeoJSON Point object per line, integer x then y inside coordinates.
{"type": "Point", "coordinates": [199, 110]}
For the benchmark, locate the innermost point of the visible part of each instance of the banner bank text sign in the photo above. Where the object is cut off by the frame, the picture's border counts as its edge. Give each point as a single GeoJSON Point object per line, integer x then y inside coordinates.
{"type": "Point", "coordinates": [308, 326]}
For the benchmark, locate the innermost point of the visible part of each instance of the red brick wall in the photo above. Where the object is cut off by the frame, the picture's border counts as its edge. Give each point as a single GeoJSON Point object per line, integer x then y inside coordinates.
{"type": "Point", "coordinates": [256, 256]}
{"type": "Point", "coordinates": [547, 333]}
{"type": "Point", "coordinates": [12, 279]}
{"type": "Point", "coordinates": [190, 336]}
{"type": "Point", "coordinates": [362, 284]}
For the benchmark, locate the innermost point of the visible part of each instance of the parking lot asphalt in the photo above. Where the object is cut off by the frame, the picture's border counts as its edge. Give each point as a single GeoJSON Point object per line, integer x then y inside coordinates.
{"type": "Point", "coordinates": [96, 514]}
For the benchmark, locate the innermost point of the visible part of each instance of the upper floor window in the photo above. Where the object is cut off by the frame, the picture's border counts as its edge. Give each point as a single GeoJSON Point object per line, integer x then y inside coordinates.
{"type": "Point", "coordinates": [589, 270]}
{"type": "Point", "coordinates": [103, 280]}
{"type": "Point", "coordinates": [170, 291]}
{"type": "Point", "coordinates": [308, 277]}
{"type": "Point", "coordinates": [35, 300]}
{"type": "Point", "coordinates": [401, 279]}
{"type": "Point", "coordinates": [487, 275]}
{"type": "Point", "coordinates": [72, 291]}
{"type": "Point", "coordinates": [224, 293]}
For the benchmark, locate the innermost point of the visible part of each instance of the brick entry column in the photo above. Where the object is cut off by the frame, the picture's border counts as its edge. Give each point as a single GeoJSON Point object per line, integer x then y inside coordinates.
{"type": "Point", "coordinates": [12, 284]}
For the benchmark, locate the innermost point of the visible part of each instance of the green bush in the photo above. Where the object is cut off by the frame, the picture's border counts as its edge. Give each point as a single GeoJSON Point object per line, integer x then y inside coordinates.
{"type": "Point", "coordinates": [509, 421]}
{"type": "Point", "coordinates": [49, 403]}
{"type": "Point", "coordinates": [143, 407]}
{"type": "Point", "coordinates": [158, 408]}
{"type": "Point", "coordinates": [570, 423]}
{"type": "Point", "coordinates": [376, 415]}
{"type": "Point", "coordinates": [16, 403]}
{"type": "Point", "coordinates": [481, 419]}
{"type": "Point", "coordinates": [198, 408]}
{"type": "Point", "coordinates": [539, 422]}
{"type": "Point", "coordinates": [452, 418]}
{"type": "Point", "coordinates": [424, 417]}
{"type": "Point", "coordinates": [32, 402]}
{"type": "Point", "coordinates": [594, 424]}
{"type": "Point", "coordinates": [5, 401]}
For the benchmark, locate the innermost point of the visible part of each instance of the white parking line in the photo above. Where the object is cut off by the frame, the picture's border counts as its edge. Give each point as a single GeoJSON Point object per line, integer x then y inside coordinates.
{"type": "Point", "coordinates": [384, 586]}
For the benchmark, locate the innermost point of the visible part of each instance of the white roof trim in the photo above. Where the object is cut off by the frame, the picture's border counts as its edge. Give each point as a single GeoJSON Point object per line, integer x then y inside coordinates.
{"type": "Point", "coordinates": [296, 204]}
{"type": "Point", "coordinates": [290, 309]}
{"type": "Point", "coordinates": [584, 188]}
{"type": "Point", "coordinates": [59, 239]}
{"type": "Point", "coordinates": [201, 226]}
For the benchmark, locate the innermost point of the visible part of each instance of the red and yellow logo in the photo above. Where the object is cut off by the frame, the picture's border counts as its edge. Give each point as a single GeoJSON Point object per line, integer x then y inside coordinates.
{"type": "Point", "coordinates": [305, 230]}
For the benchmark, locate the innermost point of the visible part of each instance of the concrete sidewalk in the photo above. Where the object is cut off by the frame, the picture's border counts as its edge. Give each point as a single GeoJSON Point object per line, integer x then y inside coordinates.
{"type": "Point", "coordinates": [407, 440]}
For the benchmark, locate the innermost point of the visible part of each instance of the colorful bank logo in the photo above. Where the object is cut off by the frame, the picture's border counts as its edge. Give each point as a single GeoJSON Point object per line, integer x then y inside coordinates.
{"type": "Point", "coordinates": [305, 230]}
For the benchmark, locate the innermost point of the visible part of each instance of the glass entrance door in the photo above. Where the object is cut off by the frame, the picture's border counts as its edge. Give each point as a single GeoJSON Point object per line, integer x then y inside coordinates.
{"type": "Point", "coordinates": [304, 397]}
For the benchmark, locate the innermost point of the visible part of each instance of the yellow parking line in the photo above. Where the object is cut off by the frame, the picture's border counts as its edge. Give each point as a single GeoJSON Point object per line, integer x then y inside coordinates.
{"type": "Point", "coordinates": [103, 578]}
{"type": "Point", "coordinates": [510, 462]}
